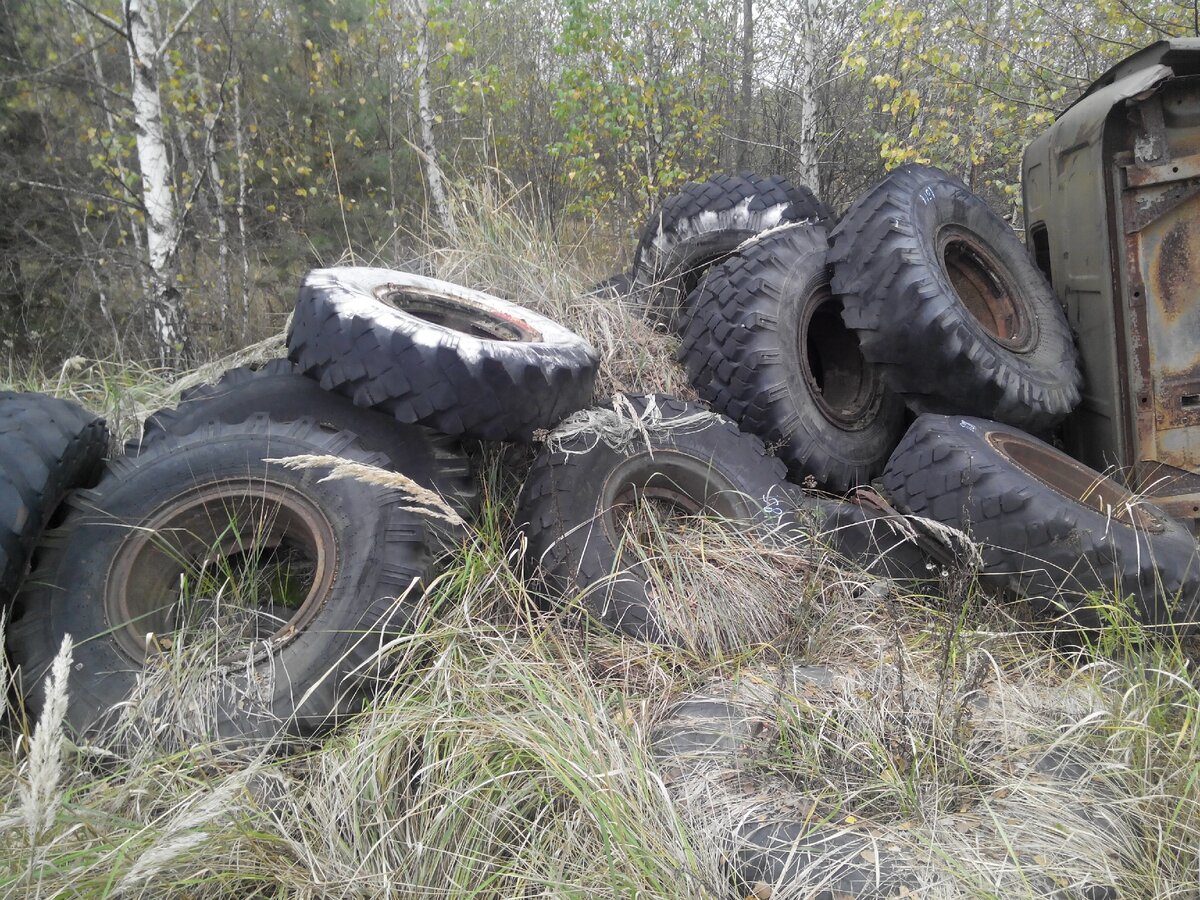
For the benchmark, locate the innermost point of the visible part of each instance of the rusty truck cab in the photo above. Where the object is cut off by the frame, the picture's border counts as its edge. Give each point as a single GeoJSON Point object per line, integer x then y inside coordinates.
{"type": "Point", "coordinates": [1112, 208]}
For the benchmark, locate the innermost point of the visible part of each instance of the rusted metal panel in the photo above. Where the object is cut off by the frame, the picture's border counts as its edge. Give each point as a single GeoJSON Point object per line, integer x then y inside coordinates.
{"type": "Point", "coordinates": [1114, 186]}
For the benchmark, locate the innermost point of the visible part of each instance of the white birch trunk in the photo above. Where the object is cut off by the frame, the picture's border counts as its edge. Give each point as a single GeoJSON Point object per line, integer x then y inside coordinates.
{"type": "Point", "coordinates": [154, 162]}
{"type": "Point", "coordinates": [418, 10]}
{"type": "Point", "coordinates": [241, 201]}
{"type": "Point", "coordinates": [216, 189]}
{"type": "Point", "coordinates": [807, 150]}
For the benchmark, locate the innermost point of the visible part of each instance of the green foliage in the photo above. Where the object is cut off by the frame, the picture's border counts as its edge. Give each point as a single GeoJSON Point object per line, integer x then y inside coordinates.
{"type": "Point", "coordinates": [632, 99]}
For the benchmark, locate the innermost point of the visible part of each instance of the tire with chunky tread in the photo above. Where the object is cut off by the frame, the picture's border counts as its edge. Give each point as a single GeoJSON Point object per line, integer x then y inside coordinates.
{"type": "Point", "coordinates": [950, 307]}
{"type": "Point", "coordinates": [165, 510]}
{"type": "Point", "coordinates": [433, 353]}
{"type": "Point", "coordinates": [48, 447]}
{"type": "Point", "coordinates": [766, 345]}
{"type": "Point", "coordinates": [701, 225]}
{"type": "Point", "coordinates": [693, 457]}
{"type": "Point", "coordinates": [278, 389]}
{"type": "Point", "coordinates": [1020, 499]}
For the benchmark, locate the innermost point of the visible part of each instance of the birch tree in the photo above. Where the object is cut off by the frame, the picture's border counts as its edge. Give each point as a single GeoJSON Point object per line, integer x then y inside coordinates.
{"type": "Point", "coordinates": [417, 12]}
{"type": "Point", "coordinates": [163, 231]}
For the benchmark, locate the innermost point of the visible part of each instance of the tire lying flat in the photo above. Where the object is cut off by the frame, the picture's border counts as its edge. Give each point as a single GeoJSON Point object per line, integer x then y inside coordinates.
{"type": "Point", "coordinates": [338, 555]}
{"type": "Point", "coordinates": [433, 353]}
{"type": "Point", "coordinates": [47, 447]}
{"type": "Point", "coordinates": [434, 461]}
{"type": "Point", "coordinates": [948, 304]}
{"type": "Point", "coordinates": [701, 225]}
{"type": "Point", "coordinates": [1052, 530]}
{"type": "Point", "coordinates": [766, 346]}
{"type": "Point", "coordinates": [579, 486]}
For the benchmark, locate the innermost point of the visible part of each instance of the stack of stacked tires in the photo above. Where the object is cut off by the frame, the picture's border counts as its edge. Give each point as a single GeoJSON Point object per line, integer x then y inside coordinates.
{"type": "Point", "coordinates": [913, 346]}
{"type": "Point", "coordinates": [907, 360]}
{"type": "Point", "coordinates": [386, 370]}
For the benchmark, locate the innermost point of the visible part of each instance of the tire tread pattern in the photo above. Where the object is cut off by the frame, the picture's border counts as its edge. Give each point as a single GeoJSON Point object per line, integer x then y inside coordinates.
{"type": "Point", "coordinates": [733, 349]}
{"type": "Point", "coordinates": [423, 378]}
{"type": "Point", "coordinates": [48, 447]}
{"type": "Point", "coordinates": [1035, 540]}
{"type": "Point", "coordinates": [927, 347]}
{"type": "Point", "coordinates": [730, 208]}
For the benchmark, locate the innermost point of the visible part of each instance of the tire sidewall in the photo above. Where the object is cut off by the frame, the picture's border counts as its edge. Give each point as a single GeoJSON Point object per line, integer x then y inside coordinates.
{"type": "Point", "coordinates": [585, 551]}
{"type": "Point", "coordinates": [357, 518]}
{"type": "Point", "coordinates": [941, 203]}
{"type": "Point", "coordinates": [804, 288]}
{"type": "Point", "coordinates": [353, 293]}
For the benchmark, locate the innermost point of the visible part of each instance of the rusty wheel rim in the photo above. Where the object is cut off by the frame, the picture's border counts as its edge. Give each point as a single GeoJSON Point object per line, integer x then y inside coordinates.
{"type": "Point", "coordinates": [839, 379]}
{"type": "Point", "coordinates": [986, 289]}
{"type": "Point", "coordinates": [1074, 480]}
{"type": "Point", "coordinates": [232, 526]}
{"type": "Point", "coordinates": [673, 485]}
{"type": "Point", "coordinates": [458, 314]}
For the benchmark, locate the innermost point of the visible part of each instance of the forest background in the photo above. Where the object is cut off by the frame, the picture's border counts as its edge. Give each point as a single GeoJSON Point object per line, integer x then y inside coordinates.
{"type": "Point", "coordinates": [170, 168]}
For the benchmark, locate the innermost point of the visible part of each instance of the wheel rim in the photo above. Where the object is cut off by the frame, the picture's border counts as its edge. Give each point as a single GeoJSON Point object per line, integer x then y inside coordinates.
{"type": "Point", "coordinates": [841, 382]}
{"type": "Point", "coordinates": [264, 539]}
{"type": "Point", "coordinates": [1073, 480]}
{"type": "Point", "coordinates": [457, 314]}
{"type": "Point", "coordinates": [984, 286]}
{"type": "Point", "coordinates": [670, 482]}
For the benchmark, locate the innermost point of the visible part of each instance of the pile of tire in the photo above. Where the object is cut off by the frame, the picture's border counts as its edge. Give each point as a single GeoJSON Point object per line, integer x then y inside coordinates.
{"type": "Point", "coordinates": [388, 372]}
{"type": "Point", "coordinates": [913, 345]}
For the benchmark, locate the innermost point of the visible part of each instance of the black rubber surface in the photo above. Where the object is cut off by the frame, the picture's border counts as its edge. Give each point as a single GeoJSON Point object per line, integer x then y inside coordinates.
{"type": "Point", "coordinates": [47, 447]}
{"type": "Point", "coordinates": [567, 504]}
{"type": "Point", "coordinates": [810, 856]}
{"type": "Point", "coordinates": [513, 374]}
{"type": "Point", "coordinates": [700, 226]}
{"type": "Point", "coordinates": [766, 346]}
{"type": "Point", "coordinates": [277, 388]}
{"type": "Point", "coordinates": [614, 287]}
{"type": "Point", "coordinates": [866, 538]}
{"type": "Point", "coordinates": [1037, 538]}
{"type": "Point", "coordinates": [378, 552]}
{"type": "Point", "coordinates": [890, 264]}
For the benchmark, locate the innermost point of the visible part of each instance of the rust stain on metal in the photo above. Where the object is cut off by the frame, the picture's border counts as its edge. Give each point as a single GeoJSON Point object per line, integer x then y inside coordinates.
{"type": "Point", "coordinates": [1173, 269]}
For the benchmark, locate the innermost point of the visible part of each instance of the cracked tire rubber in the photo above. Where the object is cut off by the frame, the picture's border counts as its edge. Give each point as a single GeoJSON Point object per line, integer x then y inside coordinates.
{"type": "Point", "coordinates": [949, 306]}
{"type": "Point", "coordinates": [433, 353]}
{"type": "Point", "coordinates": [111, 573]}
{"type": "Point", "coordinates": [277, 389]}
{"type": "Point", "coordinates": [47, 448]}
{"type": "Point", "coordinates": [576, 493]}
{"type": "Point", "coordinates": [701, 225]}
{"type": "Point", "coordinates": [1020, 499]}
{"type": "Point", "coordinates": [766, 346]}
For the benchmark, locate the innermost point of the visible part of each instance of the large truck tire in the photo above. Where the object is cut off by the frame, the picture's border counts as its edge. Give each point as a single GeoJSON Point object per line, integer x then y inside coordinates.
{"type": "Point", "coordinates": [949, 306]}
{"type": "Point", "coordinates": [766, 346]}
{"type": "Point", "coordinates": [433, 353]}
{"type": "Point", "coordinates": [48, 447]}
{"type": "Point", "coordinates": [579, 488]}
{"type": "Point", "coordinates": [701, 225]}
{"type": "Point", "coordinates": [339, 567]}
{"type": "Point", "coordinates": [277, 388]}
{"type": "Point", "coordinates": [1052, 530]}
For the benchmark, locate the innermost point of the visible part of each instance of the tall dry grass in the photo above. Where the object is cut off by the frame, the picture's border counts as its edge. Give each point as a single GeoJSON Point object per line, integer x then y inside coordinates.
{"type": "Point", "coordinates": [517, 752]}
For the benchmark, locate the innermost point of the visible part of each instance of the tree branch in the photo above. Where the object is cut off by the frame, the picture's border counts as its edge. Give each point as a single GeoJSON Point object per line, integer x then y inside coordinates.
{"type": "Point", "coordinates": [111, 24]}
{"type": "Point", "coordinates": [174, 30]}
